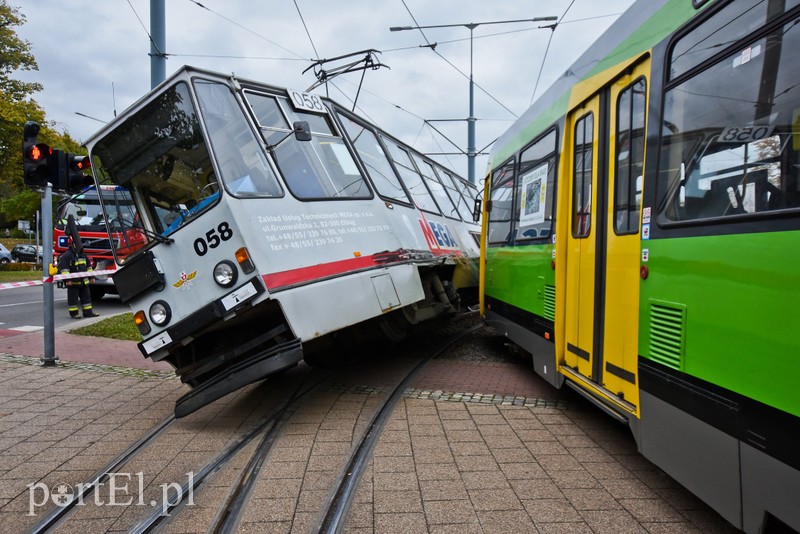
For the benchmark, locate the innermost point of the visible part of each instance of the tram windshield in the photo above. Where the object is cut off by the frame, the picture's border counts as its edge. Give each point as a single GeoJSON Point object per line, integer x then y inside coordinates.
{"type": "Point", "coordinates": [160, 156]}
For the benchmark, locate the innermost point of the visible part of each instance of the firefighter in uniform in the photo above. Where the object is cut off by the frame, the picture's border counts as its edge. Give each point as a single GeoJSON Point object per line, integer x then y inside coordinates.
{"type": "Point", "coordinates": [73, 261]}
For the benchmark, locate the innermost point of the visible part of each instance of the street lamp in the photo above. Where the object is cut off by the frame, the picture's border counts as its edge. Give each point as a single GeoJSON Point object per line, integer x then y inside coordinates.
{"type": "Point", "coordinates": [89, 117]}
{"type": "Point", "coordinates": [471, 119]}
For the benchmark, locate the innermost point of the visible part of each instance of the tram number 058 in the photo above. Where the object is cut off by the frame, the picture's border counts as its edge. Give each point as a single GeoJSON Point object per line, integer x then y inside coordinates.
{"type": "Point", "coordinates": [307, 101]}
{"type": "Point", "coordinates": [213, 238]}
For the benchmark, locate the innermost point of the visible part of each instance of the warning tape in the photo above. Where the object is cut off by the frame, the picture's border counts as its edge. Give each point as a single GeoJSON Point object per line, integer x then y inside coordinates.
{"type": "Point", "coordinates": [55, 278]}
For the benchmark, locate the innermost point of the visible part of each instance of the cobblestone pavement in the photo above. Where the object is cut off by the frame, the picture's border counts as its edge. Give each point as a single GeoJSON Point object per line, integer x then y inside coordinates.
{"type": "Point", "coordinates": [478, 444]}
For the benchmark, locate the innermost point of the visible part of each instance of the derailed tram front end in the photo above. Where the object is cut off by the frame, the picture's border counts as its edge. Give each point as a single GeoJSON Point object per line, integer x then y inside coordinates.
{"type": "Point", "coordinates": [241, 268]}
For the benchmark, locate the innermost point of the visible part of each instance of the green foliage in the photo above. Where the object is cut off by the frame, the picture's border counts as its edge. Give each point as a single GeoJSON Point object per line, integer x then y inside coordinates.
{"type": "Point", "coordinates": [16, 107]}
{"type": "Point", "coordinates": [116, 327]}
{"type": "Point", "coordinates": [20, 266]}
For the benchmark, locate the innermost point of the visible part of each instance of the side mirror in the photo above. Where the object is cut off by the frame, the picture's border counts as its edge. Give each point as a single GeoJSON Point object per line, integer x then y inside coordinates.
{"type": "Point", "coordinates": [302, 132]}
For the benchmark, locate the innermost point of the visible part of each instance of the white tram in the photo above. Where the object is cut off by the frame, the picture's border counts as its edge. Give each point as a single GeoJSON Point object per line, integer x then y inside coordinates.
{"type": "Point", "coordinates": [273, 219]}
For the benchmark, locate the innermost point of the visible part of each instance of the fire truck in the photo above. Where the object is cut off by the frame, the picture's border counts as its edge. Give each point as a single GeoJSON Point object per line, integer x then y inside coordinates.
{"type": "Point", "coordinates": [97, 231]}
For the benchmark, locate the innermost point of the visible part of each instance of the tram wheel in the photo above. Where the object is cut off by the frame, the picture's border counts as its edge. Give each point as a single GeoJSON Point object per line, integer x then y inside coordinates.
{"type": "Point", "coordinates": [394, 326]}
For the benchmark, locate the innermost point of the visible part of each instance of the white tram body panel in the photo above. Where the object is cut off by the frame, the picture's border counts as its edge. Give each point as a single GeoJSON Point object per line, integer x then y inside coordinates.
{"type": "Point", "coordinates": [265, 232]}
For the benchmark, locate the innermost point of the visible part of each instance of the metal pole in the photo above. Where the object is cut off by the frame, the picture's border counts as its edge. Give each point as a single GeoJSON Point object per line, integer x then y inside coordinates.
{"type": "Point", "coordinates": [471, 118]}
{"type": "Point", "coordinates": [49, 357]}
{"type": "Point", "coordinates": [158, 43]}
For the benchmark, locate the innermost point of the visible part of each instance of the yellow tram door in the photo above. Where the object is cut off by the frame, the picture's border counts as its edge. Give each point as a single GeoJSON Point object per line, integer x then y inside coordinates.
{"type": "Point", "coordinates": [628, 98]}
{"type": "Point", "coordinates": [606, 136]}
{"type": "Point", "coordinates": [583, 124]}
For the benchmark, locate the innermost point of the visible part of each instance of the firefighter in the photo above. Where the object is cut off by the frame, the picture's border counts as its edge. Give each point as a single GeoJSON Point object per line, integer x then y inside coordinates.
{"type": "Point", "coordinates": [73, 261]}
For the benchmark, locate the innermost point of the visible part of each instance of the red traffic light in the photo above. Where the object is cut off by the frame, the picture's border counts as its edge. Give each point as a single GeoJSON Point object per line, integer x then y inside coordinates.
{"type": "Point", "coordinates": [79, 163]}
{"type": "Point", "coordinates": [38, 152]}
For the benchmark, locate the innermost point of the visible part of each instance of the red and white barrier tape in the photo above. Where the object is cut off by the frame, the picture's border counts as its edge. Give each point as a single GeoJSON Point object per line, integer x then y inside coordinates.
{"type": "Point", "coordinates": [51, 279]}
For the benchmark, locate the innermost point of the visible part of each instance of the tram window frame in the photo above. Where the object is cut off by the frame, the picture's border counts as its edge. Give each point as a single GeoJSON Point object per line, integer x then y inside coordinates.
{"type": "Point", "coordinates": [463, 205]}
{"type": "Point", "coordinates": [543, 151]}
{"type": "Point", "coordinates": [581, 216]}
{"type": "Point", "coordinates": [317, 159]}
{"type": "Point", "coordinates": [244, 167]}
{"type": "Point", "coordinates": [439, 193]}
{"type": "Point", "coordinates": [474, 193]}
{"type": "Point", "coordinates": [691, 190]}
{"type": "Point", "coordinates": [406, 172]}
{"type": "Point", "coordinates": [506, 181]}
{"type": "Point", "coordinates": [387, 180]}
{"type": "Point", "coordinates": [722, 26]}
{"type": "Point", "coordinates": [628, 186]}
{"type": "Point", "coordinates": [156, 155]}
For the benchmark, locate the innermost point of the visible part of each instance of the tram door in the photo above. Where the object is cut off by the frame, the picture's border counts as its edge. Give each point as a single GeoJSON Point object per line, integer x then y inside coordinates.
{"type": "Point", "coordinates": [603, 241]}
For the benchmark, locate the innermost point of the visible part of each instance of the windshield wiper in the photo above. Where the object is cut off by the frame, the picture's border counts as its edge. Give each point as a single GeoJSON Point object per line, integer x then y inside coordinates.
{"type": "Point", "coordinates": [149, 233]}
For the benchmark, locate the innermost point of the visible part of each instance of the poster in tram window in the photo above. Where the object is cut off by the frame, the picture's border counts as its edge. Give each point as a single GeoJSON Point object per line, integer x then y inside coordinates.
{"type": "Point", "coordinates": [534, 192]}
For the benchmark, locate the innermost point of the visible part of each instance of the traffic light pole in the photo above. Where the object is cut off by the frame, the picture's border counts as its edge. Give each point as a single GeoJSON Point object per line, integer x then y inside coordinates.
{"type": "Point", "coordinates": [49, 358]}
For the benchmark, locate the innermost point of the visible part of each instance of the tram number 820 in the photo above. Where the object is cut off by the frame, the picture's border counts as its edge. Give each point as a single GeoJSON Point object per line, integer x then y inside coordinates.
{"type": "Point", "coordinates": [212, 240]}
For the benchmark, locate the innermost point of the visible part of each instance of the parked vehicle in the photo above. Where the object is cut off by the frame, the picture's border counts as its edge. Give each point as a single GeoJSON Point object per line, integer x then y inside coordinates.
{"type": "Point", "coordinates": [5, 255]}
{"type": "Point", "coordinates": [29, 253]}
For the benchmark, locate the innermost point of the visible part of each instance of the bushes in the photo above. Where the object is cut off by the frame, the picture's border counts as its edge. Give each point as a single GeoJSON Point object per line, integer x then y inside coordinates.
{"type": "Point", "coordinates": [21, 266]}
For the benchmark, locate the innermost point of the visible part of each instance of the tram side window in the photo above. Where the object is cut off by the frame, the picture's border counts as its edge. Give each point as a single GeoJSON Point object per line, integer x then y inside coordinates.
{"type": "Point", "coordinates": [732, 22]}
{"type": "Point", "coordinates": [582, 176]}
{"type": "Point", "coordinates": [502, 197]}
{"type": "Point", "coordinates": [630, 157]}
{"type": "Point", "coordinates": [533, 212]}
{"type": "Point", "coordinates": [436, 187]}
{"type": "Point", "coordinates": [374, 159]}
{"type": "Point", "coordinates": [469, 191]}
{"type": "Point", "coordinates": [729, 134]}
{"type": "Point", "coordinates": [463, 205]}
{"type": "Point", "coordinates": [414, 183]}
{"type": "Point", "coordinates": [241, 160]}
{"type": "Point", "coordinates": [318, 169]}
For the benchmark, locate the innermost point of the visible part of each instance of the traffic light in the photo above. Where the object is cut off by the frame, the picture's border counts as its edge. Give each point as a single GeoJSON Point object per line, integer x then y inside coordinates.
{"type": "Point", "coordinates": [37, 158]}
{"type": "Point", "coordinates": [76, 180]}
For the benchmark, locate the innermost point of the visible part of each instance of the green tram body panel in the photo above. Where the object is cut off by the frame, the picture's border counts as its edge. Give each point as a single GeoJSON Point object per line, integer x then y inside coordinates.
{"type": "Point", "coordinates": [738, 295]}
{"type": "Point", "coordinates": [522, 277]}
{"type": "Point", "coordinates": [715, 341]}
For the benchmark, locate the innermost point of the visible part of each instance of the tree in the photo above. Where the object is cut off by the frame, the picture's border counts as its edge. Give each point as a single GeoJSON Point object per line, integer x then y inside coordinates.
{"type": "Point", "coordinates": [16, 107]}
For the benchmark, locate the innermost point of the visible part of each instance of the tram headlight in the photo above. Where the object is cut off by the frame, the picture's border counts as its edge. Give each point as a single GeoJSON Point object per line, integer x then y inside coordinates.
{"type": "Point", "coordinates": [225, 273]}
{"type": "Point", "coordinates": [160, 313]}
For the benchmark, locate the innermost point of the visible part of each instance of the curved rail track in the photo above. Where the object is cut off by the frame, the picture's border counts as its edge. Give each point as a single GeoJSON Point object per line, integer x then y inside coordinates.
{"type": "Point", "coordinates": [248, 449]}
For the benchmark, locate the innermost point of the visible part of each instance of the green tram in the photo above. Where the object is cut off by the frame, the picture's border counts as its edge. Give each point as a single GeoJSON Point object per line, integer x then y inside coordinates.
{"type": "Point", "coordinates": [641, 239]}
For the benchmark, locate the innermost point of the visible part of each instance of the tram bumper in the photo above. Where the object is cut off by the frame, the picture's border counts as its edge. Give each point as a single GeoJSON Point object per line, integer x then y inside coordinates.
{"type": "Point", "coordinates": [250, 370]}
{"type": "Point", "coordinates": [232, 341]}
{"type": "Point", "coordinates": [157, 347]}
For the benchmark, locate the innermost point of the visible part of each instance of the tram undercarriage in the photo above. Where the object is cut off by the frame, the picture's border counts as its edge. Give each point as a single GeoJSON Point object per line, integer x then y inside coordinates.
{"type": "Point", "coordinates": [259, 341]}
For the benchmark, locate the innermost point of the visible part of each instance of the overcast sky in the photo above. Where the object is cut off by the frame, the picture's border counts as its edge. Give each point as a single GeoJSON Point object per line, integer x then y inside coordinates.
{"type": "Point", "coordinates": [93, 56]}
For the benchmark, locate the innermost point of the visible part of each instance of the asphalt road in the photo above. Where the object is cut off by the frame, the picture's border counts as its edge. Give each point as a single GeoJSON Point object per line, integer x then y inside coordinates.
{"type": "Point", "coordinates": [21, 308]}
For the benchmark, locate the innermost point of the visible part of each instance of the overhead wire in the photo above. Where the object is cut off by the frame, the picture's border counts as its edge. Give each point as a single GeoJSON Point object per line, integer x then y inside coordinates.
{"type": "Point", "coordinates": [547, 49]}
{"type": "Point", "coordinates": [245, 28]}
{"type": "Point", "coordinates": [298, 57]}
{"type": "Point", "coordinates": [305, 26]}
{"type": "Point", "coordinates": [149, 37]}
{"type": "Point", "coordinates": [496, 34]}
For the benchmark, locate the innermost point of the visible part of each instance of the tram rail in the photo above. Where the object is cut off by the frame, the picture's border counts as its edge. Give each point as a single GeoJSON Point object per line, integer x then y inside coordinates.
{"type": "Point", "coordinates": [260, 437]}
